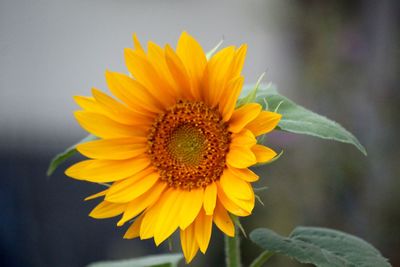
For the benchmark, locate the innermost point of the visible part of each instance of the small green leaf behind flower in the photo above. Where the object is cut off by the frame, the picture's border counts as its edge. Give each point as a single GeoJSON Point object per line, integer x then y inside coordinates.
{"type": "Point", "coordinates": [238, 224]}
{"type": "Point", "coordinates": [321, 247]}
{"type": "Point", "coordinates": [63, 156]}
{"type": "Point", "coordinates": [163, 260]}
{"type": "Point", "coordinates": [210, 53]}
{"type": "Point", "coordinates": [250, 92]}
{"type": "Point", "coordinates": [260, 189]}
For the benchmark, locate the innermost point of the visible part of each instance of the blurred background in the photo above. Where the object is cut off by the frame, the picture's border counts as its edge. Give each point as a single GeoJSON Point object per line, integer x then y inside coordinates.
{"type": "Point", "coordinates": [338, 58]}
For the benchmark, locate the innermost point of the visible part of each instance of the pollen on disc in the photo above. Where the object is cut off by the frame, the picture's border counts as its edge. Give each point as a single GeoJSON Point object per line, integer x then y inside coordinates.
{"type": "Point", "coordinates": [188, 145]}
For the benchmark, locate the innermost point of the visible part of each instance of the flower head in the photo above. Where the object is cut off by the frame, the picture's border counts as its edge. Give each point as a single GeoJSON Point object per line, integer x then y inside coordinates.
{"type": "Point", "coordinates": [174, 147]}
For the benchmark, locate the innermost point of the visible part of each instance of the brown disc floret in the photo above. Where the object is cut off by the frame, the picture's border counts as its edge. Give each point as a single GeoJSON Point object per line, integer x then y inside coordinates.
{"type": "Point", "coordinates": [188, 145]}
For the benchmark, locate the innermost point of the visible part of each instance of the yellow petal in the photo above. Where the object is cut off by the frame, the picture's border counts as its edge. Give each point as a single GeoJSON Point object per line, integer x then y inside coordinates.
{"type": "Point", "coordinates": [189, 243]}
{"type": "Point", "coordinates": [168, 217]}
{"type": "Point", "coordinates": [228, 103]}
{"type": "Point", "coordinates": [203, 227]}
{"type": "Point", "coordinates": [156, 56]}
{"type": "Point", "coordinates": [150, 220]}
{"type": "Point", "coordinates": [99, 194]}
{"type": "Point", "coordinates": [132, 93]}
{"type": "Point", "coordinates": [240, 157]}
{"type": "Point", "coordinates": [88, 103]}
{"type": "Point", "coordinates": [137, 205]}
{"type": "Point", "coordinates": [245, 174]}
{"type": "Point", "coordinates": [223, 220]}
{"type": "Point", "coordinates": [191, 205]}
{"type": "Point", "coordinates": [247, 205]}
{"type": "Point", "coordinates": [243, 115]}
{"type": "Point", "coordinates": [231, 206]}
{"type": "Point", "coordinates": [238, 61]}
{"type": "Point", "coordinates": [118, 112]}
{"type": "Point", "coordinates": [244, 138]}
{"type": "Point", "coordinates": [265, 122]}
{"type": "Point", "coordinates": [137, 44]}
{"type": "Point", "coordinates": [210, 198]}
{"type": "Point", "coordinates": [231, 91]}
{"type": "Point", "coordinates": [111, 109]}
{"type": "Point", "coordinates": [102, 171]}
{"type": "Point", "coordinates": [216, 75]}
{"type": "Point", "coordinates": [194, 59]}
{"type": "Point", "coordinates": [132, 187]}
{"type": "Point", "coordinates": [263, 153]}
{"type": "Point", "coordinates": [157, 59]}
{"type": "Point", "coordinates": [227, 198]}
{"type": "Point", "coordinates": [119, 148]}
{"type": "Point", "coordinates": [179, 72]}
{"type": "Point", "coordinates": [145, 74]}
{"type": "Point", "coordinates": [134, 230]}
{"type": "Point", "coordinates": [107, 210]}
{"type": "Point", "coordinates": [103, 127]}
{"type": "Point", "coordinates": [235, 187]}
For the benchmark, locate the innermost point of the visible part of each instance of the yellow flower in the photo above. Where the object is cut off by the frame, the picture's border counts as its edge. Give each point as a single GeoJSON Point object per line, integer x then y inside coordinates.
{"type": "Point", "coordinates": [175, 147]}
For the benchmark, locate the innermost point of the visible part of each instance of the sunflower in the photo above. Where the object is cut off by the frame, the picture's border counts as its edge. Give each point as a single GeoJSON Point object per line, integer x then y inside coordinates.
{"type": "Point", "coordinates": [175, 149]}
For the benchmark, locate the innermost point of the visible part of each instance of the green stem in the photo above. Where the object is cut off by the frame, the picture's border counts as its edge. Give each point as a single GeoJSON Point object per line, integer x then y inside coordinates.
{"type": "Point", "coordinates": [260, 260]}
{"type": "Point", "coordinates": [232, 250]}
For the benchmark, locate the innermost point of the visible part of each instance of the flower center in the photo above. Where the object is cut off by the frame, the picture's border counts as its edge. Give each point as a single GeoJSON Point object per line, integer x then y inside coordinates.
{"type": "Point", "coordinates": [188, 145]}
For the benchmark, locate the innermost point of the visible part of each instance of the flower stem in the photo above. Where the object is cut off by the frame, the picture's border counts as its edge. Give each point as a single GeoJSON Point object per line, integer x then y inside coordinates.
{"type": "Point", "coordinates": [260, 260]}
{"type": "Point", "coordinates": [232, 250]}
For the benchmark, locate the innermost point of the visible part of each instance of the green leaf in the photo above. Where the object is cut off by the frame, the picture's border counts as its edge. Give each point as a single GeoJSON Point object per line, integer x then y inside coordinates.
{"type": "Point", "coordinates": [260, 189]}
{"type": "Point", "coordinates": [259, 199]}
{"type": "Point", "coordinates": [297, 119]}
{"type": "Point", "coordinates": [163, 260]}
{"type": "Point", "coordinates": [321, 247]}
{"type": "Point", "coordinates": [252, 93]}
{"type": "Point", "coordinates": [210, 53]}
{"type": "Point", "coordinates": [261, 90]}
{"type": "Point", "coordinates": [238, 224]}
{"type": "Point", "coordinates": [63, 156]}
